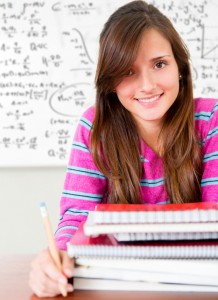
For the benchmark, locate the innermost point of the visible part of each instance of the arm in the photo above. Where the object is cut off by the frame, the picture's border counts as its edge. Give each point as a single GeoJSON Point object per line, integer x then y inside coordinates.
{"type": "Point", "coordinates": [84, 185]}
{"type": "Point", "coordinates": [209, 182]}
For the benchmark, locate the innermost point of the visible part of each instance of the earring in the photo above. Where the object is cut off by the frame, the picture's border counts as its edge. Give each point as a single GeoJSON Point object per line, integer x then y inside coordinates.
{"type": "Point", "coordinates": [180, 76]}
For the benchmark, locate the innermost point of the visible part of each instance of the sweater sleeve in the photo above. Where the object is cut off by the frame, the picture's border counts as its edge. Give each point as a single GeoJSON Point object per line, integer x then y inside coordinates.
{"type": "Point", "coordinates": [84, 185]}
{"type": "Point", "coordinates": [209, 182]}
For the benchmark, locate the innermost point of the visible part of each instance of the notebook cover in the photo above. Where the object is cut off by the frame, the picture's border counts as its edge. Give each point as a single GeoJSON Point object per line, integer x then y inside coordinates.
{"type": "Point", "coordinates": [156, 207]}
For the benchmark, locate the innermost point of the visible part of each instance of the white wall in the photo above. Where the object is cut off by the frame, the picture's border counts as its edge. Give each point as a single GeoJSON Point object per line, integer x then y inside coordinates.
{"type": "Point", "coordinates": [21, 191]}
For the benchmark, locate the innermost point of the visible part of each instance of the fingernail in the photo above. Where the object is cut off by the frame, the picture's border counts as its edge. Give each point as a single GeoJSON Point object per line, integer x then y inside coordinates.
{"type": "Point", "coordinates": [70, 288]}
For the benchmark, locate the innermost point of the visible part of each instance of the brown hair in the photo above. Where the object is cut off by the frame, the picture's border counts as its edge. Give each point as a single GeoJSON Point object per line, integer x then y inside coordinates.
{"type": "Point", "coordinates": [115, 142]}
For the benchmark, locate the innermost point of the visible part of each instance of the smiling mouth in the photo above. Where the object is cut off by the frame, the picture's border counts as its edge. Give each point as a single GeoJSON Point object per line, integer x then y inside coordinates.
{"type": "Point", "coordinates": [148, 100]}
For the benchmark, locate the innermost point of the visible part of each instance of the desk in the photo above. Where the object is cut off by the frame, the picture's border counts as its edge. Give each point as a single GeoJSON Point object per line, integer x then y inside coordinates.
{"type": "Point", "coordinates": [14, 271]}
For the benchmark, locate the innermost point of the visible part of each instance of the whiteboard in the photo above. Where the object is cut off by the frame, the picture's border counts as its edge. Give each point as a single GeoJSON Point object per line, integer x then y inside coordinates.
{"type": "Point", "coordinates": [48, 54]}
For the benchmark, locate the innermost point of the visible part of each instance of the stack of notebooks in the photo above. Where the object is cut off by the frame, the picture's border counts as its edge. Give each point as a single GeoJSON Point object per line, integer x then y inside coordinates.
{"type": "Point", "coordinates": [170, 247]}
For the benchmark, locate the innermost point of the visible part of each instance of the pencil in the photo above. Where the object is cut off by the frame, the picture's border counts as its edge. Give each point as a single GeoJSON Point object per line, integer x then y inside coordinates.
{"type": "Point", "coordinates": [52, 247]}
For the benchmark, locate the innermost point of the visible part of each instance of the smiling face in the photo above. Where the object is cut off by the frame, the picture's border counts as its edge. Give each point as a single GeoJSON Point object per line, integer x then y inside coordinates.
{"type": "Point", "coordinates": [152, 84]}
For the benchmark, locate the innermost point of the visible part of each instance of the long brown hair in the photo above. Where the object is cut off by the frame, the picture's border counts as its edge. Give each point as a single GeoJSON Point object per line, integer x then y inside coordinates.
{"type": "Point", "coordinates": [115, 142]}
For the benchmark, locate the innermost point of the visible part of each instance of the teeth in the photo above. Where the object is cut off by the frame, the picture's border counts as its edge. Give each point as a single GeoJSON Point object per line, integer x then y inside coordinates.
{"type": "Point", "coordinates": [148, 100]}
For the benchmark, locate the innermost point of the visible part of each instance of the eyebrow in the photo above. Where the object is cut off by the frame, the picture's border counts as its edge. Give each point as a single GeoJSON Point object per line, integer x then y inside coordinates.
{"type": "Point", "coordinates": [160, 57]}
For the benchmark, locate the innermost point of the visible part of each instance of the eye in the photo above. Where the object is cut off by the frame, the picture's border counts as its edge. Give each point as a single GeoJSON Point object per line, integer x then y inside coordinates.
{"type": "Point", "coordinates": [129, 72]}
{"type": "Point", "coordinates": [160, 64]}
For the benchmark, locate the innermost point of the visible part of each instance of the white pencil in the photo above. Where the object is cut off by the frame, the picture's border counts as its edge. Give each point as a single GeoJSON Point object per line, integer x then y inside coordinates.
{"type": "Point", "coordinates": [52, 246]}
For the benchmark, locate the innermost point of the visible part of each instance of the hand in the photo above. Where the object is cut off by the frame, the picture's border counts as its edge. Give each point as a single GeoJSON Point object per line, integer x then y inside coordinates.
{"type": "Point", "coordinates": [44, 277]}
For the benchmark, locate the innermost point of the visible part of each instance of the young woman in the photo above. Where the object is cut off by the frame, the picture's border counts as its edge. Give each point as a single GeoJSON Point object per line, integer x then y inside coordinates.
{"type": "Point", "coordinates": [146, 140]}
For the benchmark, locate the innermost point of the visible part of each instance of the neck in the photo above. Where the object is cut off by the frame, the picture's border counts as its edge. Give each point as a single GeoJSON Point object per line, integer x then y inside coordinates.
{"type": "Point", "coordinates": [151, 136]}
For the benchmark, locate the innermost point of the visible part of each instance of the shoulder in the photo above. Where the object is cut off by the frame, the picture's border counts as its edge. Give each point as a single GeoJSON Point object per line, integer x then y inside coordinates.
{"type": "Point", "coordinates": [205, 104]}
{"type": "Point", "coordinates": [206, 115]}
{"type": "Point", "coordinates": [84, 125]}
{"type": "Point", "coordinates": [86, 119]}
{"type": "Point", "coordinates": [89, 114]}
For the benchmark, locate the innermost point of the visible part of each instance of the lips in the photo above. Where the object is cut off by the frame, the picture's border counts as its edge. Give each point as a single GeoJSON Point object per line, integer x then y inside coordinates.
{"type": "Point", "coordinates": [148, 99]}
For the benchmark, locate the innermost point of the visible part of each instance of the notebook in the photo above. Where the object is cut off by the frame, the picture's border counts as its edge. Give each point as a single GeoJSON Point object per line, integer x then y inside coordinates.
{"type": "Point", "coordinates": [195, 272]}
{"type": "Point", "coordinates": [156, 213]}
{"type": "Point", "coordinates": [107, 246]}
{"type": "Point", "coordinates": [122, 285]}
{"type": "Point", "coordinates": [132, 222]}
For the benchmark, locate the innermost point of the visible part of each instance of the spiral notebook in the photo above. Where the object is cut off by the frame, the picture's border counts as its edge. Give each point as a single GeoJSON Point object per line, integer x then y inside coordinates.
{"type": "Point", "coordinates": [129, 222]}
{"type": "Point", "coordinates": [107, 246]}
{"type": "Point", "coordinates": [156, 213]}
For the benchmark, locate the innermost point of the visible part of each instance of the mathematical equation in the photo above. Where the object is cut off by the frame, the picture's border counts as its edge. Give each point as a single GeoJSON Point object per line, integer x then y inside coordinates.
{"type": "Point", "coordinates": [48, 54]}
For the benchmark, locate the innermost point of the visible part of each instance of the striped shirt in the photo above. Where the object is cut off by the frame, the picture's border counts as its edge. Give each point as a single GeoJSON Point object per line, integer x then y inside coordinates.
{"type": "Point", "coordinates": [85, 185]}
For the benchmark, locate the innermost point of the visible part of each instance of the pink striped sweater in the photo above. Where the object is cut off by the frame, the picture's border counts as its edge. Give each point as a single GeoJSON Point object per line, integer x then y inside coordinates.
{"type": "Point", "coordinates": [85, 185]}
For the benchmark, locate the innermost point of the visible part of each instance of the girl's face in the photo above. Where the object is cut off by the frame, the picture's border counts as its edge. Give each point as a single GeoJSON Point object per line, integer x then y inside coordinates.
{"type": "Point", "coordinates": [152, 84]}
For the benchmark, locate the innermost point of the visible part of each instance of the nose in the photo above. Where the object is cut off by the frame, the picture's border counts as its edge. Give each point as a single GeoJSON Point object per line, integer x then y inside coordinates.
{"type": "Point", "coordinates": [146, 81]}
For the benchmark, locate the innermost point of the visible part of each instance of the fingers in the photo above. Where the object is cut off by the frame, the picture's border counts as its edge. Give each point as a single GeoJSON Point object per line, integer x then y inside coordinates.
{"type": "Point", "coordinates": [42, 286]}
{"type": "Point", "coordinates": [44, 278]}
{"type": "Point", "coordinates": [67, 264]}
